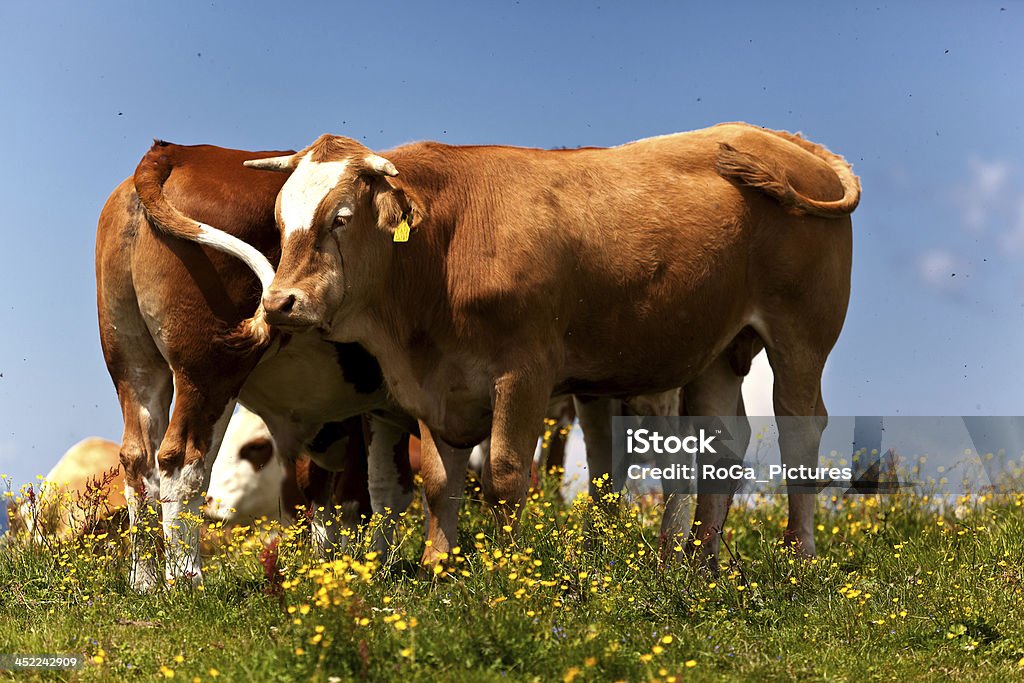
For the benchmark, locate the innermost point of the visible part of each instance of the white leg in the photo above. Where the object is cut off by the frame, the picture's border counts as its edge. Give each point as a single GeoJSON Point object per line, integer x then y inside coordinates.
{"type": "Point", "coordinates": [181, 502]}
{"type": "Point", "coordinates": [145, 418]}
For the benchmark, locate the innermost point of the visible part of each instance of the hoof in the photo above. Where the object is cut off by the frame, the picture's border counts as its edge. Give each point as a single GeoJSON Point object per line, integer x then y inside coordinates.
{"type": "Point", "coordinates": [801, 545]}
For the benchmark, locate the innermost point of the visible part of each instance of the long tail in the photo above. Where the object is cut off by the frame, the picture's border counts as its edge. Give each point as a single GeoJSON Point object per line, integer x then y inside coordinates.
{"type": "Point", "coordinates": [150, 176]}
{"type": "Point", "coordinates": [768, 177]}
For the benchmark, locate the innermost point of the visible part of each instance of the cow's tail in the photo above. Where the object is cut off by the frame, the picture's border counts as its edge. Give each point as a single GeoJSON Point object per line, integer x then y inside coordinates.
{"type": "Point", "coordinates": [770, 178]}
{"type": "Point", "coordinates": [150, 176]}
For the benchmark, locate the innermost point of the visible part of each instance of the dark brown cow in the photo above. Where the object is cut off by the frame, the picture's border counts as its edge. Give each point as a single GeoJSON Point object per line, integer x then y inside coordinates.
{"type": "Point", "coordinates": [174, 318]}
{"type": "Point", "coordinates": [604, 272]}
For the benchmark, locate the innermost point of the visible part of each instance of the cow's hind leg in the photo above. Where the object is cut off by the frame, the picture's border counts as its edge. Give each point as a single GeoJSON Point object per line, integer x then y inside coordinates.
{"type": "Point", "coordinates": [145, 402]}
{"type": "Point", "coordinates": [330, 521]}
{"type": "Point", "coordinates": [553, 460]}
{"type": "Point", "coordinates": [715, 392]}
{"type": "Point", "coordinates": [185, 460]}
{"type": "Point", "coordinates": [143, 383]}
{"type": "Point", "coordinates": [595, 416]}
{"type": "Point", "coordinates": [801, 417]}
{"type": "Point", "coordinates": [337, 486]}
{"type": "Point", "coordinates": [390, 479]}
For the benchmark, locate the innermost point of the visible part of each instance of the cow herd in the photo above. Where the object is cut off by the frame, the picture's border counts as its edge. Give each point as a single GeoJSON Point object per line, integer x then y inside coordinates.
{"type": "Point", "coordinates": [455, 293]}
{"type": "Point", "coordinates": [251, 479]}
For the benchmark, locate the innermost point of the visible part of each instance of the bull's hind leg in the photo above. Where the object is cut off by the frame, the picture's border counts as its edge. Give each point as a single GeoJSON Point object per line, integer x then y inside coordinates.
{"type": "Point", "coordinates": [553, 460]}
{"type": "Point", "coordinates": [390, 479]}
{"type": "Point", "coordinates": [715, 392]}
{"type": "Point", "coordinates": [145, 401]}
{"type": "Point", "coordinates": [595, 416]}
{"type": "Point", "coordinates": [143, 383]}
{"type": "Point", "coordinates": [801, 418]}
{"type": "Point", "coordinates": [185, 460]}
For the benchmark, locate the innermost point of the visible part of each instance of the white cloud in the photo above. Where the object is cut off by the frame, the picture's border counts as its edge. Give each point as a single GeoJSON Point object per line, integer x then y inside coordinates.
{"type": "Point", "coordinates": [984, 194]}
{"type": "Point", "coordinates": [1012, 240]}
{"type": "Point", "coordinates": [991, 203]}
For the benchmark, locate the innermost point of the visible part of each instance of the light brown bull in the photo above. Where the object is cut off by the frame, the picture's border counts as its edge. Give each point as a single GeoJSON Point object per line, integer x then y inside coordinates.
{"type": "Point", "coordinates": [604, 272]}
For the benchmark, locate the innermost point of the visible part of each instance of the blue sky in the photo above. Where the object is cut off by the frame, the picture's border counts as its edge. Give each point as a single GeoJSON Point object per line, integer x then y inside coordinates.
{"type": "Point", "coordinates": [924, 99]}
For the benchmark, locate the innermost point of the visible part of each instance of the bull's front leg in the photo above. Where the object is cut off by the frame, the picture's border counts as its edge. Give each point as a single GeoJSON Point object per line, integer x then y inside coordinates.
{"type": "Point", "coordinates": [443, 469]}
{"type": "Point", "coordinates": [520, 401]}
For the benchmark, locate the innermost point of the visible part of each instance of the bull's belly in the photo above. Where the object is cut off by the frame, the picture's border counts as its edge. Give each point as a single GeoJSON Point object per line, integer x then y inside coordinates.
{"type": "Point", "coordinates": [632, 381]}
{"type": "Point", "coordinates": [648, 361]}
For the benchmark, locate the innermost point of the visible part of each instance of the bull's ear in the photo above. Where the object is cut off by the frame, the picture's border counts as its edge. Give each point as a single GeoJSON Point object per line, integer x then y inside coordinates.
{"type": "Point", "coordinates": [283, 164]}
{"type": "Point", "coordinates": [394, 205]}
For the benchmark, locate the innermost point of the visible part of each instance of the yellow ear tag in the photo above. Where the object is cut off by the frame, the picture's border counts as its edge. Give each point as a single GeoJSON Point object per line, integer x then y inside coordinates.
{"type": "Point", "coordinates": [402, 231]}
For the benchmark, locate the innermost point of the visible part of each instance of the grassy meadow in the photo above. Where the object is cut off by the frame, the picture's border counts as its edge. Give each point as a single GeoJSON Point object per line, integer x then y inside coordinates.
{"type": "Point", "coordinates": [899, 590]}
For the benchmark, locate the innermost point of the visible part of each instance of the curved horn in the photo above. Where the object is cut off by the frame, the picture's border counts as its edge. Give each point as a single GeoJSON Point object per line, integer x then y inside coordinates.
{"type": "Point", "coordinates": [285, 164]}
{"type": "Point", "coordinates": [381, 165]}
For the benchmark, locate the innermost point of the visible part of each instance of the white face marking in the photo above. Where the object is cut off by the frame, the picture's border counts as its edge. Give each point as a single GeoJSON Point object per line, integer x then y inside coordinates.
{"type": "Point", "coordinates": [237, 492]}
{"type": "Point", "coordinates": [305, 189]}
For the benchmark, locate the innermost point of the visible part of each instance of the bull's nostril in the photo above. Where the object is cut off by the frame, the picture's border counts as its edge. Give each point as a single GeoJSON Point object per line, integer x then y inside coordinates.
{"type": "Point", "coordinates": [280, 303]}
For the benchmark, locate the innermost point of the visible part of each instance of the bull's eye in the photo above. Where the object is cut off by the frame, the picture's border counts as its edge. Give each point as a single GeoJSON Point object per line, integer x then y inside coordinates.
{"type": "Point", "coordinates": [341, 218]}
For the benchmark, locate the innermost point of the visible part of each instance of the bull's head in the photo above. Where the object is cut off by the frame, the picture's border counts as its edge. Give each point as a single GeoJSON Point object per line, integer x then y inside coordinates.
{"type": "Point", "coordinates": [336, 213]}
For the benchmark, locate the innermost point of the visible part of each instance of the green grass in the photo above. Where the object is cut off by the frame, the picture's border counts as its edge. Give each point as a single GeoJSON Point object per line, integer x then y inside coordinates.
{"type": "Point", "coordinates": [899, 590]}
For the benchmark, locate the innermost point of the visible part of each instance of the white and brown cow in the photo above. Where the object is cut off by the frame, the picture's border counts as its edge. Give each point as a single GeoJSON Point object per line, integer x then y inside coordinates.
{"type": "Point", "coordinates": [85, 488]}
{"type": "Point", "coordinates": [248, 478]}
{"type": "Point", "coordinates": [174, 320]}
{"type": "Point", "coordinates": [252, 478]}
{"type": "Point", "coordinates": [605, 272]}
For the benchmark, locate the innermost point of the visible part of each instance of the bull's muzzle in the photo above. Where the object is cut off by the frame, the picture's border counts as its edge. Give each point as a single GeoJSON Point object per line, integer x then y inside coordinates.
{"type": "Point", "coordinates": [283, 308]}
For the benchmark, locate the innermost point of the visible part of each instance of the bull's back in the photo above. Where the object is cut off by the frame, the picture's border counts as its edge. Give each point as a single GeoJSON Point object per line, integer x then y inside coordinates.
{"type": "Point", "coordinates": [646, 252]}
{"type": "Point", "coordinates": [702, 257]}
